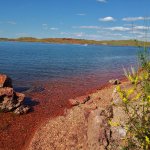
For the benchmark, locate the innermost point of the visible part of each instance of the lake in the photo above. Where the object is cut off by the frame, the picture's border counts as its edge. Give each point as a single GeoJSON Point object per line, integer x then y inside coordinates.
{"type": "Point", "coordinates": [26, 63]}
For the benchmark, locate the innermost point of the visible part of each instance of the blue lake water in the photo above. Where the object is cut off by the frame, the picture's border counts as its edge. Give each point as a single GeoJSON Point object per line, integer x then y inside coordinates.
{"type": "Point", "coordinates": [31, 62]}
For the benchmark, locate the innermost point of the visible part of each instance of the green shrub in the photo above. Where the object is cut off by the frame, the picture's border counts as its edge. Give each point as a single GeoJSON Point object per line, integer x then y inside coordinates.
{"type": "Point", "coordinates": [136, 104]}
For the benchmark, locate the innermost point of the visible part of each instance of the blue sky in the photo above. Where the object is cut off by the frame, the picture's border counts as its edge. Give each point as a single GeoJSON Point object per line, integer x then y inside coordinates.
{"type": "Point", "coordinates": [85, 19]}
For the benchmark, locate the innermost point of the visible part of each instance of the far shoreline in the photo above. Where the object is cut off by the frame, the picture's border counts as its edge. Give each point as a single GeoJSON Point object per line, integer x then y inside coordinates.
{"type": "Point", "coordinates": [132, 42]}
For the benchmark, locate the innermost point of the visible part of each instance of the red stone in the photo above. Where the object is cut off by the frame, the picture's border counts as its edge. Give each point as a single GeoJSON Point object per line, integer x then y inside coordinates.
{"type": "Point", "coordinates": [5, 81]}
{"type": "Point", "coordinates": [83, 99]}
{"type": "Point", "coordinates": [73, 102]}
{"type": "Point", "coordinates": [20, 96]}
{"type": "Point", "coordinates": [7, 91]}
{"type": "Point", "coordinates": [79, 100]}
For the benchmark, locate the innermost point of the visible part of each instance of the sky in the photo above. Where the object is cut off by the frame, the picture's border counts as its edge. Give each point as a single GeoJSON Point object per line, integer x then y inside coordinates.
{"type": "Point", "coordinates": [82, 19]}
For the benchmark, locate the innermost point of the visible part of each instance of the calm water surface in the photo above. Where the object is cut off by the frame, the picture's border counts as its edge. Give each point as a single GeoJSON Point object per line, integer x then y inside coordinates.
{"type": "Point", "coordinates": [30, 62]}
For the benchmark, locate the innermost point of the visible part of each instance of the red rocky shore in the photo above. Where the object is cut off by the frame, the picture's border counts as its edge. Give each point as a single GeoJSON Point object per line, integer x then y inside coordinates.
{"type": "Point", "coordinates": [16, 131]}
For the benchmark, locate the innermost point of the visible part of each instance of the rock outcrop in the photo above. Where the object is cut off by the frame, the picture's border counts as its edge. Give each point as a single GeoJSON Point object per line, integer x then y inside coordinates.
{"type": "Point", "coordinates": [11, 101]}
{"type": "Point", "coordinates": [114, 81]}
{"type": "Point", "coordinates": [99, 131]}
{"type": "Point", "coordinates": [5, 81]}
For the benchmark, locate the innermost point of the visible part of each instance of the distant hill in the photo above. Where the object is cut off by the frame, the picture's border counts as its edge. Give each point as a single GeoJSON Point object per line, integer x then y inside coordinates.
{"type": "Point", "coordinates": [79, 41]}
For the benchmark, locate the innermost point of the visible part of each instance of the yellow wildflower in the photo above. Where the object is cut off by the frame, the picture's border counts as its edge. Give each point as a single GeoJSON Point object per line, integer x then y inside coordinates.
{"type": "Point", "coordinates": [118, 88]}
{"type": "Point", "coordinates": [129, 92]}
{"type": "Point", "coordinates": [114, 124]}
{"type": "Point", "coordinates": [147, 139]}
{"type": "Point", "coordinates": [125, 100]}
{"type": "Point", "coordinates": [137, 96]}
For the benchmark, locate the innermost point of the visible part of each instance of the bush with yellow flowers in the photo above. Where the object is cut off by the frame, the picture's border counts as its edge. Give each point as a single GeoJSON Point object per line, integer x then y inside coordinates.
{"type": "Point", "coordinates": [136, 104]}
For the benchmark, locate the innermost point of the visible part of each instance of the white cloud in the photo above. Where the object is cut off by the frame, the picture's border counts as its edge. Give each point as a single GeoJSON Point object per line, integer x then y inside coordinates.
{"type": "Point", "coordinates": [53, 28]}
{"type": "Point", "coordinates": [81, 14]}
{"type": "Point", "coordinates": [137, 27]}
{"type": "Point", "coordinates": [137, 32]}
{"type": "Point", "coordinates": [141, 28]}
{"type": "Point", "coordinates": [102, 1]}
{"type": "Point", "coordinates": [135, 18]}
{"type": "Point", "coordinates": [87, 27]}
{"type": "Point", "coordinates": [118, 28]}
{"type": "Point", "coordinates": [107, 19]}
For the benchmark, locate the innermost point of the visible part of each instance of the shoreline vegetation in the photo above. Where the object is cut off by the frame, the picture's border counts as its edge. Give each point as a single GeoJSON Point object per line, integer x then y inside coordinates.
{"type": "Point", "coordinates": [131, 42]}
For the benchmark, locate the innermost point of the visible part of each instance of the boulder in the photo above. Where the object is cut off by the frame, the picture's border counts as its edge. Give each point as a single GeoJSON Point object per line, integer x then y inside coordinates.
{"type": "Point", "coordinates": [73, 102]}
{"type": "Point", "coordinates": [20, 96]}
{"type": "Point", "coordinates": [22, 110]}
{"type": "Point", "coordinates": [6, 91]}
{"type": "Point", "coordinates": [5, 81]}
{"type": "Point", "coordinates": [114, 81]}
{"type": "Point", "coordinates": [9, 99]}
{"type": "Point", "coordinates": [79, 100]}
